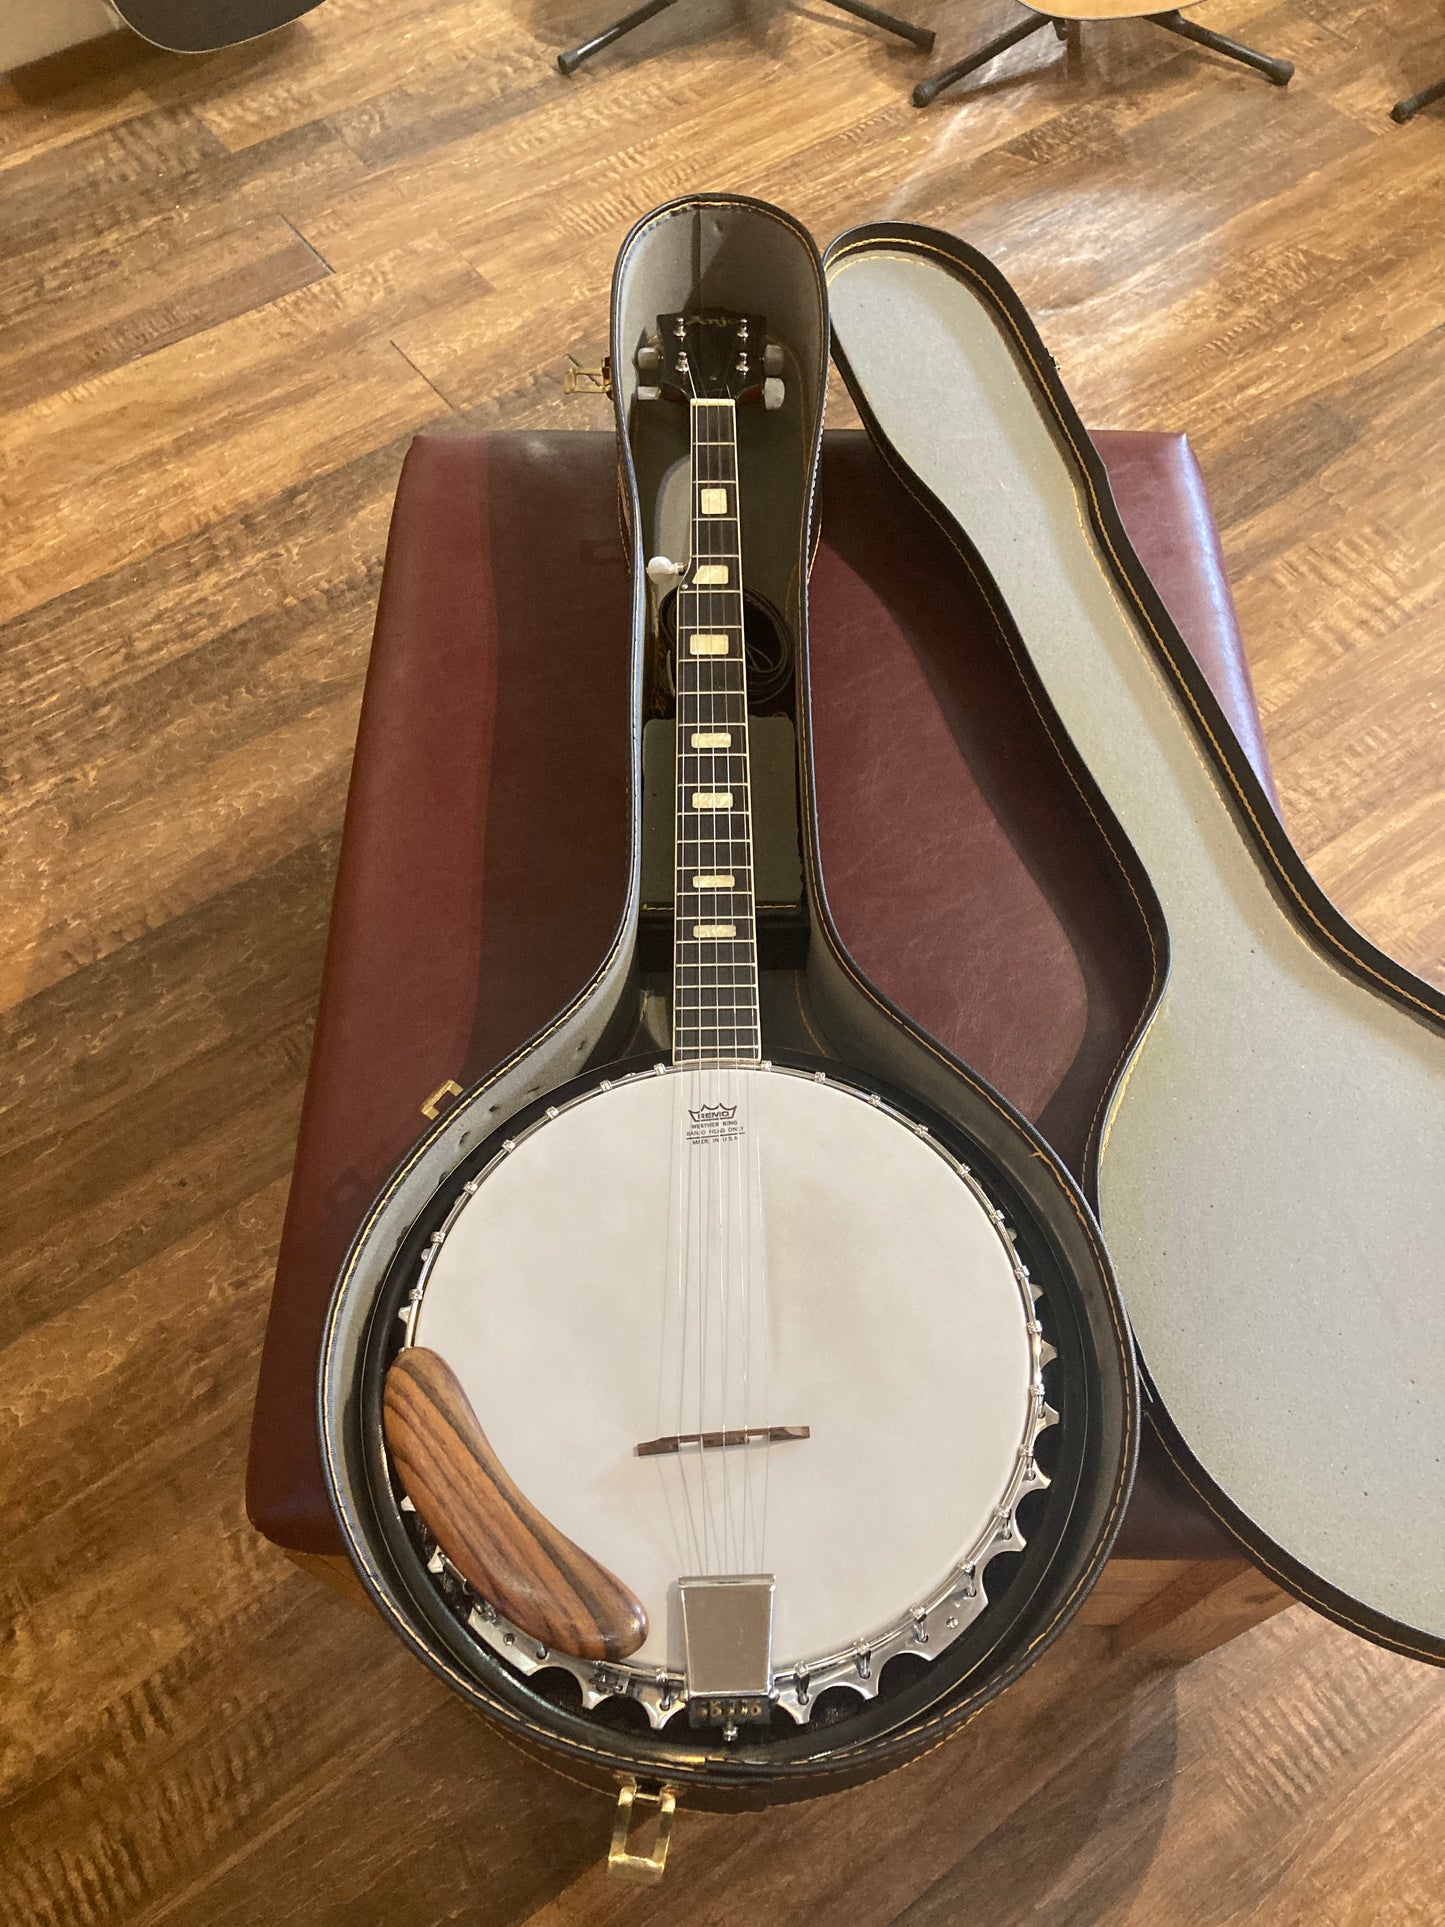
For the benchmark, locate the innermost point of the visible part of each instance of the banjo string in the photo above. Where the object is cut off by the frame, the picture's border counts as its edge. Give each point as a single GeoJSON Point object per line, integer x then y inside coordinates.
{"type": "Point", "coordinates": [692, 1548]}
{"type": "Point", "coordinates": [719, 1266]}
{"type": "Point", "coordinates": [745, 1266]}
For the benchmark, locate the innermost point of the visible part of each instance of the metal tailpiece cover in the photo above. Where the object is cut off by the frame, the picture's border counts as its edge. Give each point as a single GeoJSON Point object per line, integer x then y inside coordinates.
{"type": "Point", "coordinates": [727, 1627]}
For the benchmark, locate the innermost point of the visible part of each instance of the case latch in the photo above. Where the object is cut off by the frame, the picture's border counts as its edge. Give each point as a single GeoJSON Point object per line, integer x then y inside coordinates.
{"type": "Point", "coordinates": [577, 380]}
{"type": "Point", "coordinates": [644, 1868]}
{"type": "Point", "coordinates": [441, 1095]}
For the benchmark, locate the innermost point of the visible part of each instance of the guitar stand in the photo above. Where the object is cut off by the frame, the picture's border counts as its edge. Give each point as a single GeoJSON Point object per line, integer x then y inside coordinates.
{"type": "Point", "coordinates": [1404, 110]}
{"type": "Point", "coordinates": [1280, 72]}
{"type": "Point", "coordinates": [569, 62]}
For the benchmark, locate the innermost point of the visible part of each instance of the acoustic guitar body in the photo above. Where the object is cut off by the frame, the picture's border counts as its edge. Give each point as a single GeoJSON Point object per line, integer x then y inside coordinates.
{"type": "Point", "coordinates": [1269, 1163]}
{"type": "Point", "coordinates": [205, 26]}
{"type": "Point", "coordinates": [731, 1392]}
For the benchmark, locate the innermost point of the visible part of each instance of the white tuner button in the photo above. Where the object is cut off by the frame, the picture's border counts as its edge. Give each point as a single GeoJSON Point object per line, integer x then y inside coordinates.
{"type": "Point", "coordinates": [773, 358]}
{"type": "Point", "coordinates": [648, 359]}
{"type": "Point", "coordinates": [772, 392]}
{"type": "Point", "coordinates": [662, 569]}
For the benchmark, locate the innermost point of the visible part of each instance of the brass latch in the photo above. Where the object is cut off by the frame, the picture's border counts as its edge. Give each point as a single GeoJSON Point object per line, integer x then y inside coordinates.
{"type": "Point", "coordinates": [577, 380]}
{"type": "Point", "coordinates": [433, 1105]}
{"type": "Point", "coordinates": [645, 1868]}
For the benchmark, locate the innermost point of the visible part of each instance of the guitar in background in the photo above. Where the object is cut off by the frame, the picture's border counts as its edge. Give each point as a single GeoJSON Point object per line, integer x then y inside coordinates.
{"type": "Point", "coordinates": [204, 26]}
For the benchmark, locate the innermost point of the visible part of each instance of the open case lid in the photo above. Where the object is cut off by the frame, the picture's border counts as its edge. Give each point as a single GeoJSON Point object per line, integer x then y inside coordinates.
{"type": "Point", "coordinates": [1268, 1164]}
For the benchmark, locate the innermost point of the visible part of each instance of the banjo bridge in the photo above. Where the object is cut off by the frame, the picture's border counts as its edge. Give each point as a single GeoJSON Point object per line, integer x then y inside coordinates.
{"type": "Point", "coordinates": [714, 1441]}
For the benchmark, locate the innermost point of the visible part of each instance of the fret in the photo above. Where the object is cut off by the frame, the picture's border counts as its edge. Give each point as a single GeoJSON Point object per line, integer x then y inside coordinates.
{"type": "Point", "coordinates": [734, 1028]}
{"type": "Point", "coordinates": [715, 1015]}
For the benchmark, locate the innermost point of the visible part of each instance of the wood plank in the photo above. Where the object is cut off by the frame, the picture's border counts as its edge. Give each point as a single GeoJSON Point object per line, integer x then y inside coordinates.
{"type": "Point", "coordinates": [181, 439]}
{"type": "Point", "coordinates": [112, 317]}
{"type": "Point", "coordinates": [49, 103]}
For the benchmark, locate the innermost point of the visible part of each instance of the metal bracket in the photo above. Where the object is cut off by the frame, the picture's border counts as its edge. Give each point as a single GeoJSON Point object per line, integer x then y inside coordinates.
{"type": "Point", "coordinates": [646, 1869]}
{"type": "Point", "coordinates": [433, 1105]}
{"type": "Point", "coordinates": [727, 1633]}
{"type": "Point", "coordinates": [577, 380]}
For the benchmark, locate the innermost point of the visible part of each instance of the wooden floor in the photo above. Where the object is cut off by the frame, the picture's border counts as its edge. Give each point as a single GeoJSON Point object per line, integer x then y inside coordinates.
{"type": "Point", "coordinates": [229, 291]}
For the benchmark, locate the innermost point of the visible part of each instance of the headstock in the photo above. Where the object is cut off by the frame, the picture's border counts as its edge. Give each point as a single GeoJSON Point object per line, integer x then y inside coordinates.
{"type": "Point", "coordinates": [711, 355]}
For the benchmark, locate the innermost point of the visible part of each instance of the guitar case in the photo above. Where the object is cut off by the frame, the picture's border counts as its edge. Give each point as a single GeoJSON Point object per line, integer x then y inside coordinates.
{"type": "Point", "coordinates": [729, 252]}
{"type": "Point", "coordinates": [1268, 1159]}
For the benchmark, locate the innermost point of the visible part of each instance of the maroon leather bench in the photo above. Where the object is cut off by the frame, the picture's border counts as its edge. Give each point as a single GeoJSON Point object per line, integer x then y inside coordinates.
{"type": "Point", "coordinates": [962, 869]}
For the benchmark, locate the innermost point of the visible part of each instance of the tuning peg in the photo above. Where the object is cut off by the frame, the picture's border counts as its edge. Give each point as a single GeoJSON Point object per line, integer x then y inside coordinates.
{"type": "Point", "coordinates": [773, 358]}
{"type": "Point", "coordinates": [645, 393]}
{"type": "Point", "coordinates": [648, 358]}
{"type": "Point", "coordinates": [773, 393]}
{"type": "Point", "coordinates": [662, 570]}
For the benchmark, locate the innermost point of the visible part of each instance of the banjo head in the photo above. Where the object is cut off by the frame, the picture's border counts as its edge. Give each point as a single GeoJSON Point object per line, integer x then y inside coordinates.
{"type": "Point", "coordinates": [929, 1298]}
{"type": "Point", "coordinates": [685, 1257]}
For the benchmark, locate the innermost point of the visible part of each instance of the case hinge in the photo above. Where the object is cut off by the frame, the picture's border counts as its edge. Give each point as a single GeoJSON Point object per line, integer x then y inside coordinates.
{"type": "Point", "coordinates": [622, 1862]}
{"type": "Point", "coordinates": [577, 380]}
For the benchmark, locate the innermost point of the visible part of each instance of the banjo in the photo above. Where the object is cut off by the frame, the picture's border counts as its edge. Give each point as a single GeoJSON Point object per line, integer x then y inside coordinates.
{"type": "Point", "coordinates": [730, 1392]}
{"type": "Point", "coordinates": [767, 1304]}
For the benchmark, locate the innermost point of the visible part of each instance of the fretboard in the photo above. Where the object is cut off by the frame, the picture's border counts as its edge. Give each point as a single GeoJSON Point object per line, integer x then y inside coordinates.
{"type": "Point", "coordinates": [715, 960]}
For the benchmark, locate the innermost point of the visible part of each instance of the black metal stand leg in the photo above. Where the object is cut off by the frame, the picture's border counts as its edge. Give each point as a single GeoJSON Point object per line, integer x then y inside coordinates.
{"type": "Point", "coordinates": [890, 23]}
{"type": "Point", "coordinates": [1281, 72]}
{"type": "Point", "coordinates": [570, 61]}
{"type": "Point", "coordinates": [930, 89]}
{"type": "Point", "coordinates": [1404, 110]}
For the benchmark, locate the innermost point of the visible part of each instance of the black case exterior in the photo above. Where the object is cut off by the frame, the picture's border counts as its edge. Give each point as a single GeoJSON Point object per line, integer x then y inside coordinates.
{"type": "Point", "coordinates": [1093, 1384]}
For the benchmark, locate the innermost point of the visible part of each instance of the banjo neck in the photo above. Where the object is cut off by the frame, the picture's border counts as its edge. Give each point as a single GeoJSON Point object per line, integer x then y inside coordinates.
{"type": "Point", "coordinates": [715, 1017]}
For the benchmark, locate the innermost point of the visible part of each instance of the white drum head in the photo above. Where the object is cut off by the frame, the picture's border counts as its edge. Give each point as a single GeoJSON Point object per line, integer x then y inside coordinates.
{"type": "Point", "coordinates": [719, 1250]}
